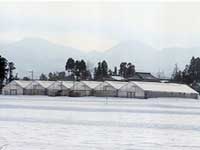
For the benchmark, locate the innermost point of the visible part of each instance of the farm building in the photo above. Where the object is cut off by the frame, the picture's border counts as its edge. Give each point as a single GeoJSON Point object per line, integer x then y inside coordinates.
{"type": "Point", "coordinates": [156, 89]}
{"type": "Point", "coordinates": [60, 88]}
{"type": "Point", "coordinates": [16, 87]}
{"type": "Point", "coordinates": [109, 88]}
{"type": "Point", "coordinates": [38, 87]}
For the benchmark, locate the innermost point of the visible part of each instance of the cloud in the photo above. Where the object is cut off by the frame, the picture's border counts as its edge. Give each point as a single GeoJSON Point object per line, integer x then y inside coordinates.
{"type": "Point", "coordinates": [99, 25]}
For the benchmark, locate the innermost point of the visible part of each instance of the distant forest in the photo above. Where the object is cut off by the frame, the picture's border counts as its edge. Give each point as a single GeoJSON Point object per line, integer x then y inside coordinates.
{"type": "Point", "coordinates": [78, 70]}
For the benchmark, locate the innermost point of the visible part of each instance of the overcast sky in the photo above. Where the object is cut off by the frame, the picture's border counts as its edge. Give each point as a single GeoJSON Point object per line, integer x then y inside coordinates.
{"type": "Point", "coordinates": [100, 25]}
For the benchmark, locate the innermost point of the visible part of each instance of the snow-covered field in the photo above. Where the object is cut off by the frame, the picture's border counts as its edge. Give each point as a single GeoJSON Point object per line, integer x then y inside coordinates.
{"type": "Point", "coordinates": [89, 123]}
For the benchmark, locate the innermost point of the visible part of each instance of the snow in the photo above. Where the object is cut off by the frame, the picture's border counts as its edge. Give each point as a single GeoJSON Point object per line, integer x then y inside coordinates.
{"type": "Point", "coordinates": [164, 87]}
{"type": "Point", "coordinates": [22, 83]}
{"type": "Point", "coordinates": [118, 78]}
{"type": "Point", "coordinates": [45, 84]}
{"type": "Point", "coordinates": [68, 84]}
{"type": "Point", "coordinates": [61, 84]}
{"type": "Point", "coordinates": [92, 84]}
{"type": "Point", "coordinates": [60, 123]}
{"type": "Point", "coordinates": [117, 84]}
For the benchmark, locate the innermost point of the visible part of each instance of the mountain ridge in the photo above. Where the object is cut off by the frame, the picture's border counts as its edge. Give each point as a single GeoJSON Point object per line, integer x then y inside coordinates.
{"type": "Point", "coordinates": [29, 53]}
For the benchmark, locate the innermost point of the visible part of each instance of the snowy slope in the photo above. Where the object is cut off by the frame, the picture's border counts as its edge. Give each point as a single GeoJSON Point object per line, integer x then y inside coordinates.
{"type": "Point", "coordinates": [60, 123]}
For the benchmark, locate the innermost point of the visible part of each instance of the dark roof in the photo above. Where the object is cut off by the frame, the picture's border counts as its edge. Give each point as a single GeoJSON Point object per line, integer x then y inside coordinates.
{"type": "Point", "coordinates": [134, 78]}
{"type": "Point", "coordinates": [143, 76]}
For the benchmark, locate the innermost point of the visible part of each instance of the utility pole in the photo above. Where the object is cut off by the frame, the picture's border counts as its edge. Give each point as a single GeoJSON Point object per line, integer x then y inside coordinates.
{"type": "Point", "coordinates": [31, 74]}
{"type": "Point", "coordinates": [32, 90]}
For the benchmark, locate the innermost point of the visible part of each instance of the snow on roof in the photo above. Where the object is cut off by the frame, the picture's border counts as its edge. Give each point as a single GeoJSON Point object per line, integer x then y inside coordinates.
{"type": "Point", "coordinates": [164, 87]}
{"type": "Point", "coordinates": [118, 78]}
{"type": "Point", "coordinates": [60, 84]}
{"type": "Point", "coordinates": [23, 83]}
{"type": "Point", "coordinates": [45, 84]}
{"type": "Point", "coordinates": [116, 84]}
{"type": "Point", "coordinates": [68, 84]}
{"type": "Point", "coordinates": [92, 84]}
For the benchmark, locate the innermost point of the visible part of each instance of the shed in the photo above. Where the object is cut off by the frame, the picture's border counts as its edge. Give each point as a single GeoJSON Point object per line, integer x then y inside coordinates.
{"type": "Point", "coordinates": [38, 87]}
{"type": "Point", "coordinates": [156, 89]}
{"type": "Point", "coordinates": [16, 87]}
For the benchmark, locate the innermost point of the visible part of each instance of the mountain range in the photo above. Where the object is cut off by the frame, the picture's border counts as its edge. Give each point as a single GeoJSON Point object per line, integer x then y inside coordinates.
{"type": "Point", "coordinates": [43, 56]}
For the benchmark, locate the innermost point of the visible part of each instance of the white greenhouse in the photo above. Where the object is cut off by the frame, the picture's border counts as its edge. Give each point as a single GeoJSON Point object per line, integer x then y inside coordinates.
{"type": "Point", "coordinates": [92, 85]}
{"type": "Point", "coordinates": [132, 89]}
{"type": "Point", "coordinates": [80, 88]}
{"type": "Point", "coordinates": [156, 89]}
{"type": "Point", "coordinates": [38, 88]}
{"type": "Point", "coordinates": [109, 88]}
{"type": "Point", "coordinates": [16, 87]}
{"type": "Point", "coordinates": [60, 88]}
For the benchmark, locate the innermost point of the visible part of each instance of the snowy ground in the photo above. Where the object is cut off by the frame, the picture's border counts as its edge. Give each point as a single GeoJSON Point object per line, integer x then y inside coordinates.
{"type": "Point", "coordinates": [63, 123]}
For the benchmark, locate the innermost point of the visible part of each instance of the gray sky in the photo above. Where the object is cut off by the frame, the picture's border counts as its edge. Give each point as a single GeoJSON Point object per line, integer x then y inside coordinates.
{"type": "Point", "coordinates": [100, 25]}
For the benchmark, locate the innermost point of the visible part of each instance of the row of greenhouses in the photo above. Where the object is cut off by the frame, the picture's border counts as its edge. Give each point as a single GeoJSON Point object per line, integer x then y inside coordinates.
{"type": "Point", "coordinates": [132, 89]}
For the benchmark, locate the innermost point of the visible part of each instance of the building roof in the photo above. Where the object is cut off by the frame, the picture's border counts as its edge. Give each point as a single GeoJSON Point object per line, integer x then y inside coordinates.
{"type": "Point", "coordinates": [146, 75]}
{"type": "Point", "coordinates": [92, 84]}
{"type": "Point", "coordinates": [68, 84]}
{"type": "Point", "coordinates": [118, 78]}
{"type": "Point", "coordinates": [117, 84]}
{"type": "Point", "coordinates": [61, 84]}
{"type": "Point", "coordinates": [45, 84]}
{"type": "Point", "coordinates": [164, 87]}
{"type": "Point", "coordinates": [143, 76]}
{"type": "Point", "coordinates": [135, 77]}
{"type": "Point", "coordinates": [22, 83]}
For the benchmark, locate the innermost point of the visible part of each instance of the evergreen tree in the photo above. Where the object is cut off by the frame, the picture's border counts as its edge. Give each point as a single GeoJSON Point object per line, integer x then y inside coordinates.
{"type": "Point", "coordinates": [115, 71]}
{"type": "Point", "coordinates": [51, 76]}
{"type": "Point", "coordinates": [126, 69]}
{"type": "Point", "coordinates": [3, 70]}
{"type": "Point", "coordinates": [11, 67]}
{"type": "Point", "coordinates": [26, 78]}
{"type": "Point", "coordinates": [123, 69]}
{"type": "Point", "coordinates": [70, 64]}
{"type": "Point", "coordinates": [101, 71]}
{"type": "Point", "coordinates": [130, 70]}
{"type": "Point", "coordinates": [82, 66]}
{"type": "Point", "coordinates": [61, 75]}
{"type": "Point", "coordinates": [175, 73]}
{"type": "Point", "coordinates": [110, 73]}
{"type": "Point", "coordinates": [78, 69]}
{"type": "Point", "coordinates": [104, 66]}
{"type": "Point", "coordinates": [43, 77]}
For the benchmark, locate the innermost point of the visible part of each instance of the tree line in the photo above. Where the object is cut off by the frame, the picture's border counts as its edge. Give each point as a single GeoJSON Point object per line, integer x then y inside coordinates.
{"type": "Point", "coordinates": [190, 74]}
{"type": "Point", "coordinates": [78, 70]}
